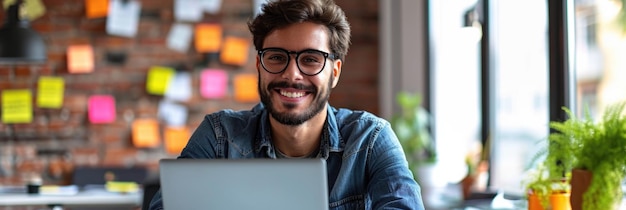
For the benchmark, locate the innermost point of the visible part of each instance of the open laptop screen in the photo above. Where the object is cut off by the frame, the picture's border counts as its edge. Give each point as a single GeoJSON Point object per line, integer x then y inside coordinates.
{"type": "Point", "coordinates": [244, 184]}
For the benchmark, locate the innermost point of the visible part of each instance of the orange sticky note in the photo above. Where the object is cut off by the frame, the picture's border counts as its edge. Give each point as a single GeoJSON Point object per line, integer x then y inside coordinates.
{"type": "Point", "coordinates": [158, 79]}
{"type": "Point", "coordinates": [245, 87]}
{"type": "Point", "coordinates": [50, 92]}
{"type": "Point", "coordinates": [176, 139]}
{"type": "Point", "coordinates": [146, 133]}
{"type": "Point", "coordinates": [80, 59]}
{"type": "Point", "coordinates": [235, 51]}
{"type": "Point", "coordinates": [96, 8]}
{"type": "Point", "coordinates": [17, 106]}
{"type": "Point", "coordinates": [208, 37]}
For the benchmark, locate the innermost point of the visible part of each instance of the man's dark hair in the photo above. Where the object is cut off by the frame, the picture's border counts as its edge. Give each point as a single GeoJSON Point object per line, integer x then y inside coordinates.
{"type": "Point", "coordinates": [281, 13]}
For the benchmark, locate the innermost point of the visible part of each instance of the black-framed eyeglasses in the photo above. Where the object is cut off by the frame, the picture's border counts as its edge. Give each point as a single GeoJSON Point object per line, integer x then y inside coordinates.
{"type": "Point", "coordinates": [310, 62]}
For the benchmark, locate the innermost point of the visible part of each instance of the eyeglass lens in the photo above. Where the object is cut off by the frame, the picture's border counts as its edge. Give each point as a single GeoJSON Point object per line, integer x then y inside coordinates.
{"type": "Point", "coordinates": [310, 62]}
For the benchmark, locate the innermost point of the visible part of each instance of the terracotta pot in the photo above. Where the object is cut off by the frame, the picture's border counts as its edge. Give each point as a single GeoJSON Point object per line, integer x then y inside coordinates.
{"type": "Point", "coordinates": [558, 201]}
{"type": "Point", "coordinates": [580, 182]}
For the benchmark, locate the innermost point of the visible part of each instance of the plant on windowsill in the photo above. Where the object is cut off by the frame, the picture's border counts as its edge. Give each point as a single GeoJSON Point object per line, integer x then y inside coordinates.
{"type": "Point", "coordinates": [412, 128]}
{"type": "Point", "coordinates": [597, 150]}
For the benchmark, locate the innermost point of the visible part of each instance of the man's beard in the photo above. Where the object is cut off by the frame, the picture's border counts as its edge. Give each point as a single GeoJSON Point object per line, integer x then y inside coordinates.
{"type": "Point", "coordinates": [319, 102]}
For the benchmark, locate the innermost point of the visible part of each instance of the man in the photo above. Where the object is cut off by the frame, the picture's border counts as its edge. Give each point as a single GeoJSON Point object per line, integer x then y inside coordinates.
{"type": "Point", "coordinates": [301, 46]}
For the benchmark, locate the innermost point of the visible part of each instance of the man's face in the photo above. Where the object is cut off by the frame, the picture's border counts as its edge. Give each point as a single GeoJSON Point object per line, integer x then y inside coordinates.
{"type": "Point", "coordinates": [292, 97]}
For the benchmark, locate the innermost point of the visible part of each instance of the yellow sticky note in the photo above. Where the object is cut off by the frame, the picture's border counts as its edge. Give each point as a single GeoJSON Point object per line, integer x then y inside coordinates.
{"type": "Point", "coordinates": [146, 133]}
{"type": "Point", "coordinates": [176, 139]}
{"type": "Point", "coordinates": [17, 106]}
{"type": "Point", "coordinates": [158, 79]}
{"type": "Point", "coordinates": [235, 51]}
{"type": "Point", "coordinates": [50, 92]}
{"type": "Point", "coordinates": [245, 86]}
{"type": "Point", "coordinates": [80, 59]}
{"type": "Point", "coordinates": [31, 9]}
{"type": "Point", "coordinates": [208, 37]}
{"type": "Point", "coordinates": [96, 8]}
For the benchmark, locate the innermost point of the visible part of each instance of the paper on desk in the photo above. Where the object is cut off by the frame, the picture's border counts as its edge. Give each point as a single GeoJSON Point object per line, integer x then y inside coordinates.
{"type": "Point", "coordinates": [123, 17]}
{"type": "Point", "coordinates": [58, 190]}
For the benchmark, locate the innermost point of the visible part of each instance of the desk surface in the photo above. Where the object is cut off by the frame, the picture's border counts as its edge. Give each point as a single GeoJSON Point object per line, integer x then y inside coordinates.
{"type": "Point", "coordinates": [95, 197]}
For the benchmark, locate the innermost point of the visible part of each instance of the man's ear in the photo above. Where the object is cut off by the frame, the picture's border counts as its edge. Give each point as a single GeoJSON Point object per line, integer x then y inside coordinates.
{"type": "Point", "coordinates": [336, 71]}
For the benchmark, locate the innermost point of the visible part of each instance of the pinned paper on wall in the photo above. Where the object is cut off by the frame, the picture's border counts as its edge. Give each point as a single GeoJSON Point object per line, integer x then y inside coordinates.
{"type": "Point", "coordinates": [146, 133]}
{"type": "Point", "coordinates": [50, 92]}
{"type": "Point", "coordinates": [235, 51]}
{"type": "Point", "coordinates": [187, 10]}
{"type": "Point", "coordinates": [179, 87]}
{"type": "Point", "coordinates": [123, 17]}
{"type": "Point", "coordinates": [30, 9]}
{"type": "Point", "coordinates": [213, 83]}
{"type": "Point", "coordinates": [176, 139]}
{"type": "Point", "coordinates": [245, 86]}
{"type": "Point", "coordinates": [101, 109]}
{"type": "Point", "coordinates": [211, 6]}
{"type": "Point", "coordinates": [257, 6]}
{"type": "Point", "coordinates": [96, 8]}
{"type": "Point", "coordinates": [179, 37]}
{"type": "Point", "coordinates": [80, 59]}
{"type": "Point", "coordinates": [208, 37]}
{"type": "Point", "coordinates": [158, 79]}
{"type": "Point", "coordinates": [172, 113]}
{"type": "Point", "coordinates": [17, 106]}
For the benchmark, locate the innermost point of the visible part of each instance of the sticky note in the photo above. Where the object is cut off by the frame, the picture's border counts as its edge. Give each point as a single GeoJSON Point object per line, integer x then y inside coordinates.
{"type": "Point", "coordinates": [50, 92]}
{"type": "Point", "coordinates": [30, 9]}
{"type": "Point", "coordinates": [179, 87]}
{"type": "Point", "coordinates": [235, 51]}
{"type": "Point", "coordinates": [211, 6]}
{"type": "Point", "coordinates": [245, 86]}
{"type": "Point", "coordinates": [123, 18]}
{"type": "Point", "coordinates": [101, 109]}
{"type": "Point", "coordinates": [146, 133]}
{"type": "Point", "coordinates": [213, 83]}
{"type": "Point", "coordinates": [176, 139]}
{"type": "Point", "coordinates": [17, 106]}
{"type": "Point", "coordinates": [208, 37]}
{"type": "Point", "coordinates": [173, 114]}
{"type": "Point", "coordinates": [80, 59]}
{"type": "Point", "coordinates": [96, 8]}
{"type": "Point", "coordinates": [188, 10]}
{"type": "Point", "coordinates": [158, 79]}
{"type": "Point", "coordinates": [179, 37]}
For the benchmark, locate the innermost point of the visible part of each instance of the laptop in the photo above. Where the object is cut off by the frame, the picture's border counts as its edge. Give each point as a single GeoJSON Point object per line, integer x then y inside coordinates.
{"type": "Point", "coordinates": [277, 184]}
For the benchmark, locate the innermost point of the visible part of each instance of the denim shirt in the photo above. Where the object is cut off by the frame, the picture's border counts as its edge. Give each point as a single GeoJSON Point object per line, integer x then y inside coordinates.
{"type": "Point", "coordinates": [366, 165]}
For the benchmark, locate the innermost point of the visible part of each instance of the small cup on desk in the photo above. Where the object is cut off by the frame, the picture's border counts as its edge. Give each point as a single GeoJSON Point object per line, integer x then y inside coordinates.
{"type": "Point", "coordinates": [32, 187]}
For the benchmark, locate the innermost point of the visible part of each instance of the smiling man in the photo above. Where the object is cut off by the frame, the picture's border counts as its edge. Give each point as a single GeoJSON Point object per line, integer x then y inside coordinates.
{"type": "Point", "coordinates": [301, 46]}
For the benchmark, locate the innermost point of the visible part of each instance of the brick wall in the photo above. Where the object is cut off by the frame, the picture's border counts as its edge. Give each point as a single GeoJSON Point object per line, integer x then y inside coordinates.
{"type": "Point", "coordinates": [59, 139]}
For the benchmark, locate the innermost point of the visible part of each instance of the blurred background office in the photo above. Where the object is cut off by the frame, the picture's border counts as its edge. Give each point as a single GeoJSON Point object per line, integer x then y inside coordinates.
{"type": "Point", "coordinates": [124, 83]}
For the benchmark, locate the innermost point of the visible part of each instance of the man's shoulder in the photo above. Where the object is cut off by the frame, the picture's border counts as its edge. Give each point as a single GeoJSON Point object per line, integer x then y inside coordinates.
{"type": "Point", "coordinates": [346, 116]}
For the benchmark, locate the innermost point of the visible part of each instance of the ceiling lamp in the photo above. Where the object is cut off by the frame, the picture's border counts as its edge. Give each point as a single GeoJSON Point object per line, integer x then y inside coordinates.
{"type": "Point", "coordinates": [18, 42]}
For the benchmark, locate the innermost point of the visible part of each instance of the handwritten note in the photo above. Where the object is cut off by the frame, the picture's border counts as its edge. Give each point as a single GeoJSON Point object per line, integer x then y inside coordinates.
{"type": "Point", "coordinates": [101, 109]}
{"type": "Point", "coordinates": [208, 37]}
{"type": "Point", "coordinates": [246, 89]}
{"type": "Point", "coordinates": [17, 106]}
{"type": "Point", "coordinates": [213, 83]}
{"type": "Point", "coordinates": [123, 17]}
{"type": "Point", "coordinates": [176, 139]}
{"type": "Point", "coordinates": [80, 59]}
{"type": "Point", "coordinates": [158, 79]}
{"type": "Point", "coordinates": [235, 51]}
{"type": "Point", "coordinates": [179, 87]}
{"type": "Point", "coordinates": [146, 133]}
{"type": "Point", "coordinates": [50, 92]}
{"type": "Point", "coordinates": [179, 37]}
{"type": "Point", "coordinates": [96, 8]}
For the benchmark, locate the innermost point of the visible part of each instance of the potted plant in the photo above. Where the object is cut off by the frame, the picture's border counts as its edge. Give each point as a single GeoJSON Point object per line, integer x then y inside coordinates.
{"type": "Point", "coordinates": [544, 191]}
{"type": "Point", "coordinates": [411, 126]}
{"type": "Point", "coordinates": [594, 153]}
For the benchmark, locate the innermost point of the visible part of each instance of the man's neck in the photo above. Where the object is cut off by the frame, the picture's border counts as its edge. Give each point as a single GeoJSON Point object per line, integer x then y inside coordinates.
{"type": "Point", "coordinates": [299, 140]}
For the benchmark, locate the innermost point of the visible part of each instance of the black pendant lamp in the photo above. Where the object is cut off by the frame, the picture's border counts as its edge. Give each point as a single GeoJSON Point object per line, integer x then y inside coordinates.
{"type": "Point", "coordinates": [18, 42]}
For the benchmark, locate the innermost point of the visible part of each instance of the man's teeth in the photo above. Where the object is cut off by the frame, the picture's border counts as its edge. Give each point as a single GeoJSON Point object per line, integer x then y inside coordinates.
{"type": "Point", "coordinates": [292, 94]}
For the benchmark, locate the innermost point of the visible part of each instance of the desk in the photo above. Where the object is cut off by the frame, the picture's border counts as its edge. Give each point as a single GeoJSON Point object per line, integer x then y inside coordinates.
{"type": "Point", "coordinates": [90, 197]}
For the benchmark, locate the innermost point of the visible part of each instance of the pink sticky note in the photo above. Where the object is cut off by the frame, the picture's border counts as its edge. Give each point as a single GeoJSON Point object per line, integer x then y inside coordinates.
{"type": "Point", "coordinates": [101, 109]}
{"type": "Point", "coordinates": [213, 83]}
